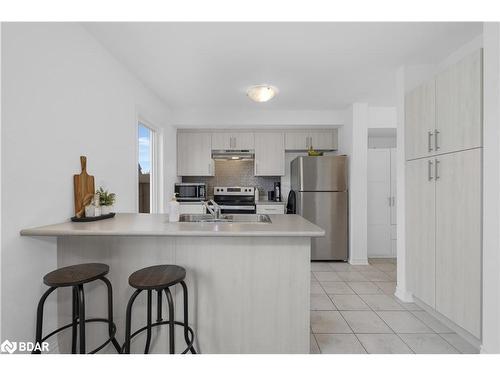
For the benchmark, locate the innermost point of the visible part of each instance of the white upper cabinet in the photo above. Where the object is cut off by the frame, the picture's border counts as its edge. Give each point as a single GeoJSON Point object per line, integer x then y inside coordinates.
{"type": "Point", "coordinates": [194, 154]}
{"type": "Point", "coordinates": [269, 154]}
{"type": "Point", "coordinates": [232, 141]}
{"type": "Point", "coordinates": [420, 121]}
{"type": "Point", "coordinates": [459, 105]}
{"type": "Point", "coordinates": [317, 139]}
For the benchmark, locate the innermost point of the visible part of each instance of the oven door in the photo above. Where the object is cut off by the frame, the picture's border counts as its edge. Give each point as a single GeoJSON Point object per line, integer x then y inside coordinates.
{"type": "Point", "coordinates": [233, 209]}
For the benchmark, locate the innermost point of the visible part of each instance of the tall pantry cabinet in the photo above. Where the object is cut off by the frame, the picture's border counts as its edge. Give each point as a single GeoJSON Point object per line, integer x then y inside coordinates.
{"type": "Point", "coordinates": [443, 131]}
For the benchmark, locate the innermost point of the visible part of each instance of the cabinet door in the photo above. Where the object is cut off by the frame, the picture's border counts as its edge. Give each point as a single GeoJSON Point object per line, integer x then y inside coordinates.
{"type": "Point", "coordinates": [297, 140]}
{"type": "Point", "coordinates": [322, 140]}
{"type": "Point", "coordinates": [458, 238]}
{"type": "Point", "coordinates": [269, 154]}
{"type": "Point", "coordinates": [221, 141]}
{"type": "Point", "coordinates": [243, 141]}
{"type": "Point", "coordinates": [459, 104]}
{"type": "Point", "coordinates": [420, 229]}
{"type": "Point", "coordinates": [420, 121]}
{"type": "Point", "coordinates": [194, 154]}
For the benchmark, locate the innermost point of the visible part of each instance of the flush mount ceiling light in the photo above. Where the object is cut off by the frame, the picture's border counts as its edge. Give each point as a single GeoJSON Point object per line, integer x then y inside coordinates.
{"type": "Point", "coordinates": [261, 93]}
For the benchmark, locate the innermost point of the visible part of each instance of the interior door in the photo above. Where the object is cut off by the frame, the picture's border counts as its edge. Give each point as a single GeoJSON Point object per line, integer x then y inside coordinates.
{"type": "Point", "coordinates": [420, 109]}
{"type": "Point", "coordinates": [328, 210]}
{"type": "Point", "coordinates": [458, 238]}
{"type": "Point", "coordinates": [421, 229]}
{"type": "Point", "coordinates": [379, 203]}
{"type": "Point", "coordinates": [459, 105]}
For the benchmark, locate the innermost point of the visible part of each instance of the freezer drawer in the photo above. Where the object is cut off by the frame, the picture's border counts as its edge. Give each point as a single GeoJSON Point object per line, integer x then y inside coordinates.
{"type": "Point", "coordinates": [328, 210]}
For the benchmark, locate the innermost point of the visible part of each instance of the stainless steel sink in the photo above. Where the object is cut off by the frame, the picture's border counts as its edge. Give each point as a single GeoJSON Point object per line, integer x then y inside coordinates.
{"type": "Point", "coordinates": [243, 218]}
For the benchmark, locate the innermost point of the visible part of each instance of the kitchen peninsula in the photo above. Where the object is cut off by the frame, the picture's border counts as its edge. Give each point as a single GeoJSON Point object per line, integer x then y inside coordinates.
{"type": "Point", "coordinates": [248, 282]}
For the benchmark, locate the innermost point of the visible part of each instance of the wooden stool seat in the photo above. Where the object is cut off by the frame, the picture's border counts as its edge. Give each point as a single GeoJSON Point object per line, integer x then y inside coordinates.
{"type": "Point", "coordinates": [157, 277]}
{"type": "Point", "coordinates": [76, 275]}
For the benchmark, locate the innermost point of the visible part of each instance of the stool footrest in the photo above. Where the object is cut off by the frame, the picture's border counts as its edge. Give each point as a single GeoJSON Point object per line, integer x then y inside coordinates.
{"type": "Point", "coordinates": [165, 322]}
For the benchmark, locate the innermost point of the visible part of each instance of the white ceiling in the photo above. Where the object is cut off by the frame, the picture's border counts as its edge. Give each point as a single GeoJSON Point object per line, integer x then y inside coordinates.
{"type": "Point", "coordinates": [316, 66]}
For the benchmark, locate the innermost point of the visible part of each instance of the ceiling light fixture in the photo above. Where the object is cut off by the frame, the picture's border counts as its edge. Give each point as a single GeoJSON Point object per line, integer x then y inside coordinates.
{"type": "Point", "coordinates": [261, 93]}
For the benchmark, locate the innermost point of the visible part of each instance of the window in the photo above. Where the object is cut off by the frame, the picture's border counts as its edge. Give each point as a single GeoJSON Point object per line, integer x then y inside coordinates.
{"type": "Point", "coordinates": [147, 178]}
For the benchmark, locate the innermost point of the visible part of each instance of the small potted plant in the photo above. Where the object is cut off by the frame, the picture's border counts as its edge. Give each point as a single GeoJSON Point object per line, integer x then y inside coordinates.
{"type": "Point", "coordinates": [106, 200]}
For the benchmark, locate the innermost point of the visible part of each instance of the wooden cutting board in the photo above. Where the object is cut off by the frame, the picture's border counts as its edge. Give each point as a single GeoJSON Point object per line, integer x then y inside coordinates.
{"type": "Point", "coordinates": [84, 188]}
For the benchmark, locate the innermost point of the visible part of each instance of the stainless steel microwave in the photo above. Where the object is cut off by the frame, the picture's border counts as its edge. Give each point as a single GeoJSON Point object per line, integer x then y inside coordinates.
{"type": "Point", "coordinates": [191, 191]}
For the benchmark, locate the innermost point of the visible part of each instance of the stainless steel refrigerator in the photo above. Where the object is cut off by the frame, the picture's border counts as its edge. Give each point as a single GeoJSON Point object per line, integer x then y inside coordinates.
{"type": "Point", "coordinates": [321, 193]}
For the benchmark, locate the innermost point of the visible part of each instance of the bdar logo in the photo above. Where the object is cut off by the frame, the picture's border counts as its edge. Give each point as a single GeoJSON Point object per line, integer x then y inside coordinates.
{"type": "Point", "coordinates": [8, 347]}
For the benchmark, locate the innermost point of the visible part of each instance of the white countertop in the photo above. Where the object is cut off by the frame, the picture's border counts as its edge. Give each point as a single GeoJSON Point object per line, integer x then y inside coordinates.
{"type": "Point", "coordinates": [157, 225]}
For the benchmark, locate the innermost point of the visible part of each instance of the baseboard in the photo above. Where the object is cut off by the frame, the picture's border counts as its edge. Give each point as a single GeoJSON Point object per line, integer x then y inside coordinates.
{"type": "Point", "coordinates": [403, 295]}
{"type": "Point", "coordinates": [471, 339]}
{"type": "Point", "coordinates": [358, 262]}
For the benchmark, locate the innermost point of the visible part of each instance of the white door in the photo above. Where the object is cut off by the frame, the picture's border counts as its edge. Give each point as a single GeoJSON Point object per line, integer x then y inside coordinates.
{"type": "Point", "coordinates": [322, 140]}
{"type": "Point", "coordinates": [420, 106]}
{"type": "Point", "coordinates": [221, 141]}
{"type": "Point", "coordinates": [458, 238]}
{"type": "Point", "coordinates": [194, 154]}
{"type": "Point", "coordinates": [420, 229]}
{"type": "Point", "coordinates": [243, 141]}
{"type": "Point", "coordinates": [269, 154]}
{"type": "Point", "coordinates": [459, 105]}
{"type": "Point", "coordinates": [379, 203]}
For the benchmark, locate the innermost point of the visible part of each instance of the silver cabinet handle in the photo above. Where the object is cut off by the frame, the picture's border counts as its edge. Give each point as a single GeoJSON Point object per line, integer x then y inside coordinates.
{"type": "Point", "coordinates": [429, 141]}
{"type": "Point", "coordinates": [436, 169]}
{"type": "Point", "coordinates": [429, 170]}
{"type": "Point", "coordinates": [256, 167]}
{"type": "Point", "coordinates": [209, 168]}
{"type": "Point", "coordinates": [436, 144]}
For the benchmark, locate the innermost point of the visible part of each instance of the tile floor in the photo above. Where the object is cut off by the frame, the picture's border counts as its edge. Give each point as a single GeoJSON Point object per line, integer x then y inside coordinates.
{"type": "Point", "coordinates": [354, 310]}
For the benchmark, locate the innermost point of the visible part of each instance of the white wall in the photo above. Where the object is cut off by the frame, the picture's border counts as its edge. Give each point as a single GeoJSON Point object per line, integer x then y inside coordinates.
{"type": "Point", "coordinates": [491, 190]}
{"type": "Point", "coordinates": [63, 96]}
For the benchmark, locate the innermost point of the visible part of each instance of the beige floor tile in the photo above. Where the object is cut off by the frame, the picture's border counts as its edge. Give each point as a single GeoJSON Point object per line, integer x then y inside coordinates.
{"type": "Point", "coordinates": [388, 287]}
{"type": "Point", "coordinates": [393, 276]}
{"type": "Point", "coordinates": [314, 348]}
{"type": "Point", "coordinates": [403, 322]}
{"type": "Point", "coordinates": [375, 275]}
{"type": "Point", "coordinates": [410, 306]}
{"type": "Point", "coordinates": [312, 277]}
{"type": "Point", "coordinates": [326, 276]}
{"type": "Point", "coordinates": [383, 343]}
{"type": "Point", "coordinates": [316, 288]}
{"type": "Point", "coordinates": [382, 260]}
{"type": "Point", "coordinates": [428, 343]}
{"type": "Point", "coordinates": [363, 268]}
{"type": "Point", "coordinates": [385, 267]}
{"type": "Point", "coordinates": [336, 287]}
{"type": "Point", "coordinates": [320, 266]}
{"type": "Point", "coordinates": [321, 302]}
{"type": "Point", "coordinates": [339, 344]}
{"type": "Point", "coordinates": [380, 302]}
{"type": "Point", "coordinates": [459, 343]}
{"type": "Point", "coordinates": [328, 322]}
{"type": "Point", "coordinates": [432, 322]}
{"type": "Point", "coordinates": [365, 322]}
{"type": "Point", "coordinates": [351, 276]}
{"type": "Point", "coordinates": [364, 287]}
{"type": "Point", "coordinates": [341, 267]}
{"type": "Point", "coordinates": [348, 302]}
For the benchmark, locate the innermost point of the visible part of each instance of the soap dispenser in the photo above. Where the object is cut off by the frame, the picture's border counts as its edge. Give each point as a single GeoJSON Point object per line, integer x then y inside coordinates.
{"type": "Point", "coordinates": [173, 210]}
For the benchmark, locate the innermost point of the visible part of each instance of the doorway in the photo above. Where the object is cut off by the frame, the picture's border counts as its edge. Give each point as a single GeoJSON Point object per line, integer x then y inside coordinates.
{"type": "Point", "coordinates": [147, 170]}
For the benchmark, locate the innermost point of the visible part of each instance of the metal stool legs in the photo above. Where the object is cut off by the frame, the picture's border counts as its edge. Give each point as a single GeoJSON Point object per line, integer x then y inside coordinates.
{"type": "Point", "coordinates": [78, 321]}
{"type": "Point", "coordinates": [159, 320]}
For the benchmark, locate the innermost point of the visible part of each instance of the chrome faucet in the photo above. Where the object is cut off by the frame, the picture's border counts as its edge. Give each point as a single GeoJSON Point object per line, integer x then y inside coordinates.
{"type": "Point", "coordinates": [214, 210]}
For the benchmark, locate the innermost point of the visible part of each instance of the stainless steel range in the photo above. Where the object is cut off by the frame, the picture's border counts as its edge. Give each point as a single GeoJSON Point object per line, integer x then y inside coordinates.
{"type": "Point", "coordinates": [235, 199]}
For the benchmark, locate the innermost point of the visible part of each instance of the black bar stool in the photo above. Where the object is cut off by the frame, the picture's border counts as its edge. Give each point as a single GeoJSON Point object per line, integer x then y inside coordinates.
{"type": "Point", "coordinates": [159, 278]}
{"type": "Point", "coordinates": [76, 276]}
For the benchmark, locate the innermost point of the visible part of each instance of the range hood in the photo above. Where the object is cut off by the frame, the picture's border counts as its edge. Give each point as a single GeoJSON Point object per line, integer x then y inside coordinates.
{"type": "Point", "coordinates": [232, 154]}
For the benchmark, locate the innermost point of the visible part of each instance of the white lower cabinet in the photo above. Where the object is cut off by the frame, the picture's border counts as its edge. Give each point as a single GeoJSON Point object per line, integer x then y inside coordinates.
{"type": "Point", "coordinates": [271, 209]}
{"type": "Point", "coordinates": [443, 235]}
{"type": "Point", "coordinates": [458, 238]}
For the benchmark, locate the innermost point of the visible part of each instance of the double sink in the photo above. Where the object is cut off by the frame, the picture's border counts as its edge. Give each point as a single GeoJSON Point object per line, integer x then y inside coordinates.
{"type": "Point", "coordinates": [239, 218]}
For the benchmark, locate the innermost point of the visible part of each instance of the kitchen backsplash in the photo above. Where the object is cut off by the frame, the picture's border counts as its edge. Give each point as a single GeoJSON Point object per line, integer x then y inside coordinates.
{"type": "Point", "coordinates": [235, 173]}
